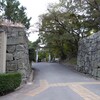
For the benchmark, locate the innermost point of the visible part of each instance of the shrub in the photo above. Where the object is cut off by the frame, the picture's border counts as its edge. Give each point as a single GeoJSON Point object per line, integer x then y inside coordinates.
{"type": "Point", "coordinates": [9, 82]}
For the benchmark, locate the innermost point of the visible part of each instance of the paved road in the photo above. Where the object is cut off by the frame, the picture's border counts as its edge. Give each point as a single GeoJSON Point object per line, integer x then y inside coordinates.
{"type": "Point", "coordinates": [57, 82]}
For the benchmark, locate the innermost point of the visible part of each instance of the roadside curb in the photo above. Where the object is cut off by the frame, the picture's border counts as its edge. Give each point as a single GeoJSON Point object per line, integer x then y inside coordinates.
{"type": "Point", "coordinates": [30, 80]}
{"type": "Point", "coordinates": [31, 77]}
{"type": "Point", "coordinates": [70, 65]}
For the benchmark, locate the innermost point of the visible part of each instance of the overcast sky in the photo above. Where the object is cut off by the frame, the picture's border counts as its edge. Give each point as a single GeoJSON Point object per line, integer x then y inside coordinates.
{"type": "Point", "coordinates": [34, 9]}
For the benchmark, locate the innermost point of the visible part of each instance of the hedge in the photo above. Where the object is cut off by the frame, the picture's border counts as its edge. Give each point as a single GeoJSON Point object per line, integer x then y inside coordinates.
{"type": "Point", "coordinates": [9, 82]}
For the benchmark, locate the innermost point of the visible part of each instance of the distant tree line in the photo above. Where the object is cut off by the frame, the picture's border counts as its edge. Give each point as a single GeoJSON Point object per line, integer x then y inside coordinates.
{"type": "Point", "coordinates": [32, 50]}
{"type": "Point", "coordinates": [43, 53]}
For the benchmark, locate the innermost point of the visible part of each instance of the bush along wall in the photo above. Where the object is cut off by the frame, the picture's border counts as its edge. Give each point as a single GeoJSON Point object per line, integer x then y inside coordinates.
{"type": "Point", "coordinates": [9, 82]}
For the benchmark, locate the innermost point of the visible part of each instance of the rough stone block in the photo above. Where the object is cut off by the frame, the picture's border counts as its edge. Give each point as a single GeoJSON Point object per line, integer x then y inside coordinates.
{"type": "Point", "coordinates": [10, 49]}
{"type": "Point", "coordinates": [9, 56]}
{"type": "Point", "coordinates": [14, 34]}
{"type": "Point", "coordinates": [21, 40]}
{"type": "Point", "coordinates": [20, 55]}
{"type": "Point", "coordinates": [22, 63]}
{"type": "Point", "coordinates": [20, 48]}
{"type": "Point", "coordinates": [11, 66]}
{"type": "Point", "coordinates": [12, 41]}
{"type": "Point", "coordinates": [23, 72]}
{"type": "Point", "coordinates": [21, 33]}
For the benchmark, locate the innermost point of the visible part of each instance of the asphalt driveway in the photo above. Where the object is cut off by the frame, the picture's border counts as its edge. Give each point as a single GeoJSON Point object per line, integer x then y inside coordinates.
{"type": "Point", "coordinates": [55, 81]}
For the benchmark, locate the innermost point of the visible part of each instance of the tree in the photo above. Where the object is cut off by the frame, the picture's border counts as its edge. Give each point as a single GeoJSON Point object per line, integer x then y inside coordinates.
{"type": "Point", "coordinates": [61, 29]}
{"type": "Point", "coordinates": [66, 23]}
{"type": "Point", "coordinates": [32, 54]}
{"type": "Point", "coordinates": [14, 12]}
{"type": "Point", "coordinates": [92, 15]}
{"type": "Point", "coordinates": [32, 49]}
{"type": "Point", "coordinates": [1, 8]}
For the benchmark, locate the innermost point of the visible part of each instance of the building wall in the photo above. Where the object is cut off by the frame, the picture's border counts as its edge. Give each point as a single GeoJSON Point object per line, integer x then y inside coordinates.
{"type": "Point", "coordinates": [89, 54]}
{"type": "Point", "coordinates": [17, 57]}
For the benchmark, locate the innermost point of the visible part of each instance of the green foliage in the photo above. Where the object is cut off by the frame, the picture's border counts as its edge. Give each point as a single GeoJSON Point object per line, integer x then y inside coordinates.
{"type": "Point", "coordinates": [14, 12]}
{"type": "Point", "coordinates": [1, 9]}
{"type": "Point", "coordinates": [60, 30]}
{"type": "Point", "coordinates": [32, 47]}
{"type": "Point", "coordinates": [43, 54]}
{"type": "Point", "coordinates": [0, 6]}
{"type": "Point", "coordinates": [94, 14]}
{"type": "Point", "coordinates": [66, 23]}
{"type": "Point", "coordinates": [30, 44]}
{"type": "Point", "coordinates": [72, 61]}
{"type": "Point", "coordinates": [91, 19]}
{"type": "Point", "coordinates": [32, 54]}
{"type": "Point", "coordinates": [9, 82]}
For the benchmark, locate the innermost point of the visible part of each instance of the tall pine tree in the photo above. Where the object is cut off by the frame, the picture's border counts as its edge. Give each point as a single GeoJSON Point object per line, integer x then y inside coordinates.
{"type": "Point", "coordinates": [14, 12]}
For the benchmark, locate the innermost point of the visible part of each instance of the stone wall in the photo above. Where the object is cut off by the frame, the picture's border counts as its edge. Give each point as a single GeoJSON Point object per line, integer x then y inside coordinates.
{"type": "Point", "coordinates": [89, 54]}
{"type": "Point", "coordinates": [17, 58]}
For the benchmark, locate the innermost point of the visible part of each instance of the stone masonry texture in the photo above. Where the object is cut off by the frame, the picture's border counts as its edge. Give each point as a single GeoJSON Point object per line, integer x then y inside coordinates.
{"type": "Point", "coordinates": [17, 57]}
{"type": "Point", "coordinates": [88, 58]}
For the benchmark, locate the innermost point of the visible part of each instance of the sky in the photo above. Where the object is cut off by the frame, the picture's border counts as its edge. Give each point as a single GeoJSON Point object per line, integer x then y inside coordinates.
{"type": "Point", "coordinates": [34, 9]}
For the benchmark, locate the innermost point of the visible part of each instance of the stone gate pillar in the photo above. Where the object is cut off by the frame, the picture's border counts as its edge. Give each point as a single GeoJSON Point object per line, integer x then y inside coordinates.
{"type": "Point", "coordinates": [3, 39]}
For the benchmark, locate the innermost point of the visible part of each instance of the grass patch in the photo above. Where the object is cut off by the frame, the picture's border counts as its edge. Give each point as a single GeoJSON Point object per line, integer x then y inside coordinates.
{"type": "Point", "coordinates": [73, 61]}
